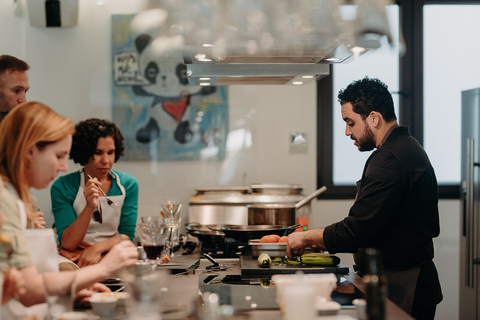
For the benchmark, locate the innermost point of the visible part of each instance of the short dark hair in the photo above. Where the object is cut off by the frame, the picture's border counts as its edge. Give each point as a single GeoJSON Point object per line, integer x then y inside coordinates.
{"type": "Point", "coordinates": [11, 63]}
{"type": "Point", "coordinates": [367, 95]}
{"type": "Point", "coordinates": [86, 137]}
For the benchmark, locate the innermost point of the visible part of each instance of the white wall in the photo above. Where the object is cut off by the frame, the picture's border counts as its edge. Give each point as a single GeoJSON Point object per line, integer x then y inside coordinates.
{"type": "Point", "coordinates": [71, 72]}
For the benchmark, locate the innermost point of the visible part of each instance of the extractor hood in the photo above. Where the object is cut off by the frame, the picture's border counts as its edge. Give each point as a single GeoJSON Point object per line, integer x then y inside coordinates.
{"type": "Point", "coordinates": [226, 42]}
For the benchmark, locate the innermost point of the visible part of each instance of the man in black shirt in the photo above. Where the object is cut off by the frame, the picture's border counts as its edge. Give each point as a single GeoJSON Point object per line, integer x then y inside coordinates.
{"type": "Point", "coordinates": [396, 207]}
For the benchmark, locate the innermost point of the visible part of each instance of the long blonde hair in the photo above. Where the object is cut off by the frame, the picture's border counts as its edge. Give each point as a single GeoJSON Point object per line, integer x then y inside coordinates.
{"type": "Point", "coordinates": [28, 124]}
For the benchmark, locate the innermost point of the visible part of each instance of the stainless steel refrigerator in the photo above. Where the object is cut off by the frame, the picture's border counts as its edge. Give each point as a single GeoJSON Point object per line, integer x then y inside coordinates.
{"type": "Point", "coordinates": [470, 213]}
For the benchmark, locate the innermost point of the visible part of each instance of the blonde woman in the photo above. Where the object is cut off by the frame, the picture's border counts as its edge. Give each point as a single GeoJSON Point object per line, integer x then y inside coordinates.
{"type": "Point", "coordinates": [34, 144]}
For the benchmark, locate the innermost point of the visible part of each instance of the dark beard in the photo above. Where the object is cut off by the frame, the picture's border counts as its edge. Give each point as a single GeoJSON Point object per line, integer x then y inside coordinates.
{"type": "Point", "coordinates": [367, 142]}
{"type": "Point", "coordinates": [3, 114]}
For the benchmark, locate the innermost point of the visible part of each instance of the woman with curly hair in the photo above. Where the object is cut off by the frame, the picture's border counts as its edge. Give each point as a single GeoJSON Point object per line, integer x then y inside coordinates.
{"type": "Point", "coordinates": [87, 226]}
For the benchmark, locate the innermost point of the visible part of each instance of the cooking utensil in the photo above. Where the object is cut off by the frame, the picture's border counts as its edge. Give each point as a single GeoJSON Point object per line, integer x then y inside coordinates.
{"type": "Point", "coordinates": [303, 202]}
{"type": "Point", "coordinates": [278, 214]}
{"type": "Point", "coordinates": [207, 233]}
{"type": "Point", "coordinates": [245, 233]}
{"type": "Point", "coordinates": [110, 202]}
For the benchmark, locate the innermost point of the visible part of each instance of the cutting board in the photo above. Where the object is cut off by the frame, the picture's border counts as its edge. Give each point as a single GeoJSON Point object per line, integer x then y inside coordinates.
{"type": "Point", "coordinates": [250, 266]}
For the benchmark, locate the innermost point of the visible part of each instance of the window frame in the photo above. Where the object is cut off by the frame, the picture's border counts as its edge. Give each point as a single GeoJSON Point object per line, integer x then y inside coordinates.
{"type": "Point", "coordinates": [410, 100]}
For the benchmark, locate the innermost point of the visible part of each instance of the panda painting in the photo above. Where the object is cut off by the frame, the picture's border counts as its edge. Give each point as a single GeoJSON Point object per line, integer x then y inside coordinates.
{"type": "Point", "coordinates": [167, 85]}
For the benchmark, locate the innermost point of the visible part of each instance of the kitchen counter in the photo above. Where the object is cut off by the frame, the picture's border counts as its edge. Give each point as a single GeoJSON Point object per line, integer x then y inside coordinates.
{"type": "Point", "coordinates": [247, 293]}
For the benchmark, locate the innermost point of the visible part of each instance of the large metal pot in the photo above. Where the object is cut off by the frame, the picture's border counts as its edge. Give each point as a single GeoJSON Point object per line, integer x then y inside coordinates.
{"type": "Point", "coordinates": [273, 214]}
{"type": "Point", "coordinates": [278, 214]}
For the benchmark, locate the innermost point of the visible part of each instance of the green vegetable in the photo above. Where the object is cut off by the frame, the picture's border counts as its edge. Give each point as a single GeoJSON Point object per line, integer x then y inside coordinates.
{"type": "Point", "coordinates": [294, 262]}
{"type": "Point", "coordinates": [319, 259]}
{"type": "Point", "coordinates": [266, 283]}
{"type": "Point", "coordinates": [264, 260]}
{"type": "Point", "coordinates": [277, 260]}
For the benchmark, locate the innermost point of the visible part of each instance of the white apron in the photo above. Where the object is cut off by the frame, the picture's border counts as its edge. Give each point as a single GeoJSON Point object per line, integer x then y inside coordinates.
{"type": "Point", "coordinates": [43, 249]}
{"type": "Point", "coordinates": [110, 217]}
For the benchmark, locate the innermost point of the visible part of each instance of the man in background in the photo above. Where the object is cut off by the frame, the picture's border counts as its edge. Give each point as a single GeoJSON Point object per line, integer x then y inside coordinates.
{"type": "Point", "coordinates": [13, 83]}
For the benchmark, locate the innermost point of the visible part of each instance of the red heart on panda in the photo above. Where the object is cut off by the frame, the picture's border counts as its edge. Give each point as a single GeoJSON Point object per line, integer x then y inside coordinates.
{"type": "Point", "coordinates": [176, 109]}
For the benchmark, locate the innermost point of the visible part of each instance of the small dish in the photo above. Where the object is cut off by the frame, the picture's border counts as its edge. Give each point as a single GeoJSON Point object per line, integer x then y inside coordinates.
{"type": "Point", "coordinates": [122, 298]}
{"type": "Point", "coordinates": [103, 304]}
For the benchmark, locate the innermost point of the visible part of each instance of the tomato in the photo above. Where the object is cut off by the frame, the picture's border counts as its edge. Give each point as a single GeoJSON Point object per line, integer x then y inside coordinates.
{"type": "Point", "coordinates": [268, 239]}
{"type": "Point", "coordinates": [275, 236]}
{"type": "Point", "coordinates": [283, 239]}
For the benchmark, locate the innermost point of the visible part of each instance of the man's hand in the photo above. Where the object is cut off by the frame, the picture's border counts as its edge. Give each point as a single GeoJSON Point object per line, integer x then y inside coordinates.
{"type": "Point", "coordinates": [302, 239]}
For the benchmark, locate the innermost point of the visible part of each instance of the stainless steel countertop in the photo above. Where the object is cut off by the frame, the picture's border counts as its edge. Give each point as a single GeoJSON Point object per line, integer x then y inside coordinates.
{"type": "Point", "coordinates": [183, 289]}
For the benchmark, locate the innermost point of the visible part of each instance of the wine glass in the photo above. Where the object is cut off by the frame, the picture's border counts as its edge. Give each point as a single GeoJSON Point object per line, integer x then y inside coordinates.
{"type": "Point", "coordinates": [152, 237]}
{"type": "Point", "coordinates": [171, 216]}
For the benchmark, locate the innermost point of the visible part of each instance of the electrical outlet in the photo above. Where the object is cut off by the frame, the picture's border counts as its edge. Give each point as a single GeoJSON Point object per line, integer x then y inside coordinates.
{"type": "Point", "coordinates": [298, 142]}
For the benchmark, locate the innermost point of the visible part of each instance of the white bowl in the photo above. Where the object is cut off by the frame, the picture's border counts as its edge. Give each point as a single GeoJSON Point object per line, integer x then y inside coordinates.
{"type": "Point", "coordinates": [122, 298]}
{"type": "Point", "coordinates": [323, 284]}
{"type": "Point", "coordinates": [103, 304]}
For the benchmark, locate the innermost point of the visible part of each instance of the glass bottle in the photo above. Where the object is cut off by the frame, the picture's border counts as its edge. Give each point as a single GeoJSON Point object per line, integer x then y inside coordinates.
{"type": "Point", "coordinates": [376, 285]}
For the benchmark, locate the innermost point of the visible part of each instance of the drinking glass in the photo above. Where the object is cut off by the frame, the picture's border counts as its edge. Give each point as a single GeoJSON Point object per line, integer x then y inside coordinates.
{"type": "Point", "coordinates": [148, 292]}
{"type": "Point", "coordinates": [152, 220]}
{"type": "Point", "coordinates": [60, 289]}
{"type": "Point", "coordinates": [171, 216]}
{"type": "Point", "coordinates": [152, 237]}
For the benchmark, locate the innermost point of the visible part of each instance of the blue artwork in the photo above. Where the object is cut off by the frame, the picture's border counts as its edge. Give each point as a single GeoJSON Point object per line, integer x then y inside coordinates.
{"type": "Point", "coordinates": [161, 116]}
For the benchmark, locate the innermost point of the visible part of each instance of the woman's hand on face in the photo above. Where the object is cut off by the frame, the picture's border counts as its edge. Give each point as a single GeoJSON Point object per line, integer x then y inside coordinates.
{"type": "Point", "coordinates": [91, 193]}
{"type": "Point", "coordinates": [38, 220]}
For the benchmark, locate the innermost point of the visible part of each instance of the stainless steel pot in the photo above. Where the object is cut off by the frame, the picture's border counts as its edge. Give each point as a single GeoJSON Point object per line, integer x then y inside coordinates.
{"type": "Point", "coordinates": [273, 214]}
{"type": "Point", "coordinates": [278, 214]}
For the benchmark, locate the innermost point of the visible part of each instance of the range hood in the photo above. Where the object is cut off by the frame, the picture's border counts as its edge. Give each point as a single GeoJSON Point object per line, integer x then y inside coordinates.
{"type": "Point", "coordinates": [227, 42]}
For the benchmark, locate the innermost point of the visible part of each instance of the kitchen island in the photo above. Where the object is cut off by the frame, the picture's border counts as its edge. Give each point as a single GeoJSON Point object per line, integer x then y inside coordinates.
{"type": "Point", "coordinates": [255, 296]}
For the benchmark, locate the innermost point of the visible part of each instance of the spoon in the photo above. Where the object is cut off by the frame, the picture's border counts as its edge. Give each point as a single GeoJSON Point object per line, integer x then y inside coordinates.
{"type": "Point", "coordinates": [110, 202]}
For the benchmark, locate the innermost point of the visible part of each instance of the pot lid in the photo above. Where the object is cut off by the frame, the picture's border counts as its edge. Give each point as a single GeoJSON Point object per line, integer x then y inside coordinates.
{"type": "Point", "coordinates": [222, 190]}
{"type": "Point", "coordinates": [272, 188]}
